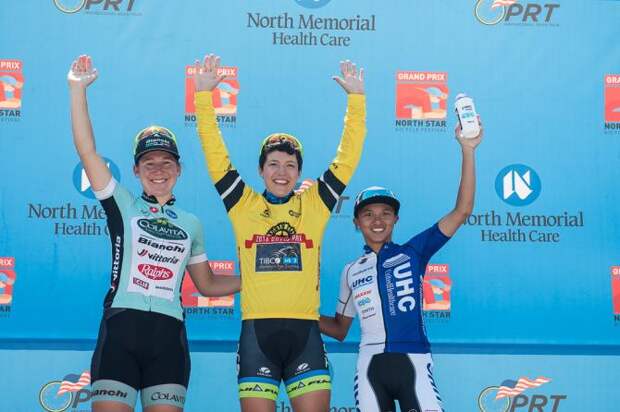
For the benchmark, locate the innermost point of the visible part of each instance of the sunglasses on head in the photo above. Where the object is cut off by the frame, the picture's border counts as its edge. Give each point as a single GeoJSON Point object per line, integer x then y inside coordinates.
{"type": "Point", "coordinates": [279, 138]}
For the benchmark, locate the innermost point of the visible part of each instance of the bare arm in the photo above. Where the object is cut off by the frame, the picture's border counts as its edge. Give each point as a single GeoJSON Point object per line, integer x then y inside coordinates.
{"type": "Point", "coordinates": [337, 327]}
{"type": "Point", "coordinates": [209, 284]}
{"type": "Point", "coordinates": [450, 223]}
{"type": "Point", "coordinates": [80, 76]}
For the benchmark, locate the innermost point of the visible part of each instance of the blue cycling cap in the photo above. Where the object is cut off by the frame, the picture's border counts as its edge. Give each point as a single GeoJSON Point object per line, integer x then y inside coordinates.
{"type": "Point", "coordinates": [375, 194]}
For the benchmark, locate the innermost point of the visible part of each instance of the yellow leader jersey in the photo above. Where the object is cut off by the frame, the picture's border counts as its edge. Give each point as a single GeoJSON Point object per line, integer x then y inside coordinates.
{"type": "Point", "coordinates": [279, 245]}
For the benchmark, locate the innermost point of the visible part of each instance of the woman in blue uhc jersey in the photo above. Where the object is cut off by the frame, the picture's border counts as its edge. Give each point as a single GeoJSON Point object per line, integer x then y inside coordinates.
{"type": "Point", "coordinates": [142, 345]}
{"type": "Point", "coordinates": [384, 288]}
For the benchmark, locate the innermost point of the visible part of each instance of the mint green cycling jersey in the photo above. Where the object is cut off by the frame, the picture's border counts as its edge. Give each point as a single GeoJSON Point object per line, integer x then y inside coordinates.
{"type": "Point", "coordinates": [151, 246]}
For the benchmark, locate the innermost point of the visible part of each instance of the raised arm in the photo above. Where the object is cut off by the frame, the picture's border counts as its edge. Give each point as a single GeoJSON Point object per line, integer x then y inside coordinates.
{"type": "Point", "coordinates": [80, 76]}
{"type": "Point", "coordinates": [450, 223]}
{"type": "Point", "coordinates": [209, 284]}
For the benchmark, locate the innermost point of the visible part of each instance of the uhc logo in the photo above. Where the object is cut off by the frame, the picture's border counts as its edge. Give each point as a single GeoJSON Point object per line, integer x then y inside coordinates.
{"type": "Point", "coordinates": [492, 12]}
{"type": "Point", "coordinates": [81, 182]}
{"type": "Point", "coordinates": [518, 185]}
{"type": "Point", "coordinates": [312, 4]}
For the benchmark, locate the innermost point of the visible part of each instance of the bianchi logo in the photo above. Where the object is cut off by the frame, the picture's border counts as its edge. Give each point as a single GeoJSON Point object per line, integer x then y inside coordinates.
{"type": "Point", "coordinates": [518, 185]}
{"type": "Point", "coordinates": [162, 229]}
{"type": "Point", "coordinates": [81, 182]}
{"type": "Point", "coordinates": [312, 4]}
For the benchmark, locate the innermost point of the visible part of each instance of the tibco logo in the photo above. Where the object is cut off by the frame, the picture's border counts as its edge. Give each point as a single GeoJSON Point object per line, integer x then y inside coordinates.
{"type": "Point", "coordinates": [518, 185]}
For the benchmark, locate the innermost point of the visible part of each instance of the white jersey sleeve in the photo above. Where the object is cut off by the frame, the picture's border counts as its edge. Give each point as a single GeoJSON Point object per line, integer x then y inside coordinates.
{"type": "Point", "coordinates": [345, 305]}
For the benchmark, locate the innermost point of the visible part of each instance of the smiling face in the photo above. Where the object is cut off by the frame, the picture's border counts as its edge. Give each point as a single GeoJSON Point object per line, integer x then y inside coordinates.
{"type": "Point", "coordinates": [280, 173]}
{"type": "Point", "coordinates": [376, 222]}
{"type": "Point", "coordinates": [158, 172]}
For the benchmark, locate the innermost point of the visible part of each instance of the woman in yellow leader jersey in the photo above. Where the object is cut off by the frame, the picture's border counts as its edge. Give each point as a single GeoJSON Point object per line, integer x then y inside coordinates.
{"type": "Point", "coordinates": [279, 236]}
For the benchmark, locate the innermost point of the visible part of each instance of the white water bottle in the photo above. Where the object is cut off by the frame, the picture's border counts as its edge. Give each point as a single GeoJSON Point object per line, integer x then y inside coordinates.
{"type": "Point", "coordinates": [466, 113]}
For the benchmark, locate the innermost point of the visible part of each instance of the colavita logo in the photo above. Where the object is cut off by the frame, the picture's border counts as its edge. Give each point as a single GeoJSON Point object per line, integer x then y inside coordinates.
{"type": "Point", "coordinates": [162, 228]}
{"type": "Point", "coordinates": [515, 12]}
{"type": "Point", "coordinates": [155, 272]}
{"type": "Point", "coordinates": [510, 397]}
{"type": "Point", "coordinates": [421, 101]}
{"type": "Point", "coordinates": [11, 85]}
{"type": "Point", "coordinates": [81, 182]}
{"type": "Point", "coordinates": [99, 7]}
{"type": "Point", "coordinates": [224, 97]}
{"type": "Point", "coordinates": [312, 4]}
{"type": "Point", "coordinates": [518, 185]}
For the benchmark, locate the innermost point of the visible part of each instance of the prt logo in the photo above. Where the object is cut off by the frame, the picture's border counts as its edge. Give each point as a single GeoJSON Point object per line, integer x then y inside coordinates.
{"type": "Point", "coordinates": [518, 185]}
{"type": "Point", "coordinates": [509, 397]}
{"type": "Point", "coordinates": [58, 396]}
{"type": "Point", "coordinates": [491, 12]}
{"type": "Point", "coordinates": [81, 182]}
{"type": "Point", "coordinates": [74, 6]}
{"type": "Point", "coordinates": [312, 4]}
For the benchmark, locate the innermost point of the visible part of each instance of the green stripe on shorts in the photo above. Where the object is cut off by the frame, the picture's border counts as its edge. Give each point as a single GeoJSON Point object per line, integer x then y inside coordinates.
{"type": "Point", "coordinates": [258, 390]}
{"type": "Point", "coordinates": [307, 385]}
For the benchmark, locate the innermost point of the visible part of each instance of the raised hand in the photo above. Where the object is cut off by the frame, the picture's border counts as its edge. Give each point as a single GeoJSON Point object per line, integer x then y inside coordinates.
{"type": "Point", "coordinates": [82, 73]}
{"type": "Point", "coordinates": [352, 80]}
{"type": "Point", "coordinates": [205, 75]}
{"type": "Point", "coordinates": [470, 143]}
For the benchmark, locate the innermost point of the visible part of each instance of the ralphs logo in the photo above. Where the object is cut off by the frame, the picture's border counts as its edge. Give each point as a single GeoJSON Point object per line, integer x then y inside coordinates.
{"type": "Point", "coordinates": [97, 7]}
{"type": "Point", "coordinates": [509, 396]}
{"type": "Point", "coordinates": [518, 185]}
{"type": "Point", "coordinates": [81, 182]}
{"type": "Point", "coordinates": [162, 229]}
{"type": "Point", "coordinates": [421, 101]}
{"type": "Point", "coordinates": [515, 12]}
{"type": "Point", "coordinates": [224, 97]}
{"type": "Point", "coordinates": [155, 272]}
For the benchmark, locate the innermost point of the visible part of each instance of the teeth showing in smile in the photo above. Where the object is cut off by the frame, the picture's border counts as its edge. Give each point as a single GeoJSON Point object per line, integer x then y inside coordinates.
{"type": "Point", "coordinates": [377, 230]}
{"type": "Point", "coordinates": [158, 180]}
{"type": "Point", "coordinates": [280, 181]}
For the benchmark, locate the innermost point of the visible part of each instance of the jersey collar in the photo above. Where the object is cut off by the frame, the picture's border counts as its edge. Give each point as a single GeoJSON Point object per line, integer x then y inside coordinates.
{"type": "Point", "coordinates": [386, 246]}
{"type": "Point", "coordinates": [153, 199]}
{"type": "Point", "coordinates": [275, 200]}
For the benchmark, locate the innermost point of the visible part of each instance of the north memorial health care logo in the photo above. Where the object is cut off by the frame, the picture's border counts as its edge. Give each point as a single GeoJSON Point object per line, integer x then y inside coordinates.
{"type": "Point", "coordinates": [11, 86]}
{"type": "Point", "coordinates": [225, 97]}
{"type": "Point", "coordinates": [516, 395]}
{"type": "Point", "coordinates": [421, 101]}
{"type": "Point", "coordinates": [515, 12]}
{"type": "Point", "coordinates": [518, 185]}
{"type": "Point", "coordinates": [81, 182]}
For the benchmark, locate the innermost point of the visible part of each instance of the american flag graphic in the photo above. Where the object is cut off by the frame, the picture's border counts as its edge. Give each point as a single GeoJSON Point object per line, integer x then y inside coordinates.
{"type": "Point", "coordinates": [510, 388]}
{"type": "Point", "coordinates": [74, 382]}
{"type": "Point", "coordinates": [500, 3]}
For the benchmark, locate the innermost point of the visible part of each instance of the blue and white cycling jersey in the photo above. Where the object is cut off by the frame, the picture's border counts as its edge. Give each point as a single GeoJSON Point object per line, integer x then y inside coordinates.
{"type": "Point", "coordinates": [151, 246]}
{"type": "Point", "coordinates": [385, 290]}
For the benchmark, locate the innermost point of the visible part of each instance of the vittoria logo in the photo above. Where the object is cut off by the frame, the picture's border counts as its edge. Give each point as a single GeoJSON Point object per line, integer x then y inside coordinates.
{"type": "Point", "coordinates": [421, 101]}
{"type": "Point", "coordinates": [224, 97]}
{"type": "Point", "coordinates": [98, 7]}
{"type": "Point", "coordinates": [162, 229]}
{"type": "Point", "coordinates": [515, 12]}
{"type": "Point", "coordinates": [612, 103]}
{"type": "Point", "coordinates": [11, 86]}
{"type": "Point", "coordinates": [196, 304]}
{"type": "Point", "coordinates": [437, 289]}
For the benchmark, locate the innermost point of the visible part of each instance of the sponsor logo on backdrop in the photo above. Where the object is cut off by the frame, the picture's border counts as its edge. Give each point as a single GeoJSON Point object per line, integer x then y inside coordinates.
{"type": "Point", "coordinates": [282, 406]}
{"type": "Point", "coordinates": [421, 101]}
{"type": "Point", "coordinates": [615, 293]}
{"type": "Point", "coordinates": [517, 395]}
{"type": "Point", "coordinates": [516, 13]}
{"type": "Point", "coordinates": [11, 86]}
{"type": "Point", "coordinates": [309, 29]}
{"type": "Point", "coordinates": [71, 393]}
{"type": "Point", "coordinates": [99, 7]}
{"type": "Point", "coordinates": [224, 97]}
{"type": "Point", "coordinates": [71, 219]}
{"type": "Point", "coordinates": [7, 283]}
{"type": "Point", "coordinates": [196, 304]}
{"type": "Point", "coordinates": [519, 186]}
{"type": "Point", "coordinates": [341, 209]}
{"type": "Point", "coordinates": [612, 103]}
{"type": "Point", "coordinates": [436, 292]}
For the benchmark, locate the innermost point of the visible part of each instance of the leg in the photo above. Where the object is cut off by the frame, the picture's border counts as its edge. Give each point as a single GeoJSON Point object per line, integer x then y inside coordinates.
{"type": "Point", "coordinates": [370, 393]}
{"type": "Point", "coordinates": [425, 390]}
{"type": "Point", "coordinates": [317, 401]}
{"type": "Point", "coordinates": [104, 406]}
{"type": "Point", "coordinates": [257, 405]}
